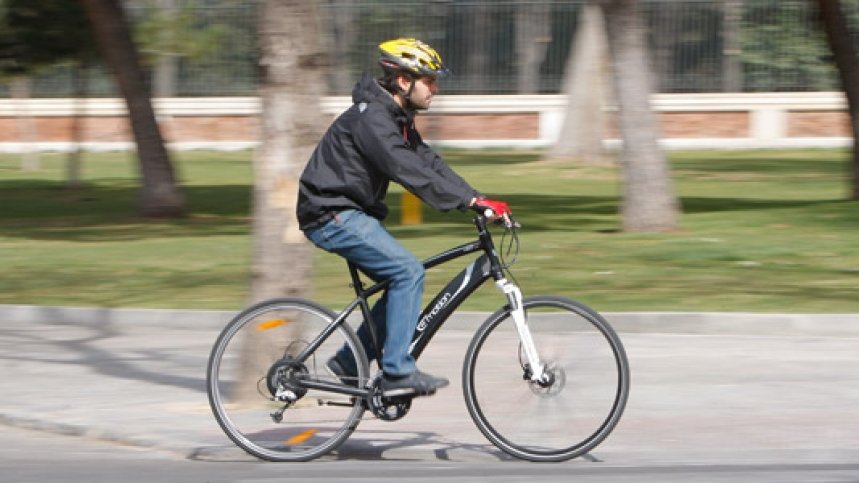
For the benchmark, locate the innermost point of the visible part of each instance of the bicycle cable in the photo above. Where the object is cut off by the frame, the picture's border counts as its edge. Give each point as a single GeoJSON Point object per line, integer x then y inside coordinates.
{"type": "Point", "coordinates": [509, 244]}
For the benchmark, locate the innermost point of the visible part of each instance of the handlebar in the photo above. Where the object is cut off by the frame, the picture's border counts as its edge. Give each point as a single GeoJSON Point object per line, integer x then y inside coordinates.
{"type": "Point", "coordinates": [506, 219]}
{"type": "Point", "coordinates": [508, 250]}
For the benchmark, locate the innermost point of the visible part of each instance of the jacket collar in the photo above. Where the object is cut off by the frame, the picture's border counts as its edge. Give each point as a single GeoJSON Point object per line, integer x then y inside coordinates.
{"type": "Point", "coordinates": [368, 90]}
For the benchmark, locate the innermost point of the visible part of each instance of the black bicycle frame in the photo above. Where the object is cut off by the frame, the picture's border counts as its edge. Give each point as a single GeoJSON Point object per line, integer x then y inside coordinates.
{"type": "Point", "coordinates": [445, 303]}
{"type": "Point", "coordinates": [436, 312]}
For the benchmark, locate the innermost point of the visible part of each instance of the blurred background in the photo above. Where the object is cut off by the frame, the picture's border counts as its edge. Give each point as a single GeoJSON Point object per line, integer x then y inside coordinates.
{"type": "Point", "coordinates": [760, 230]}
{"type": "Point", "coordinates": [208, 47]}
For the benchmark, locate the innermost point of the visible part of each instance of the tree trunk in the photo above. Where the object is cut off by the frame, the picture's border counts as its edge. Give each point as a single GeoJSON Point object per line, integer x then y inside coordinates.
{"type": "Point", "coordinates": [838, 36]}
{"type": "Point", "coordinates": [167, 65]}
{"type": "Point", "coordinates": [582, 132]}
{"type": "Point", "coordinates": [533, 34]}
{"type": "Point", "coordinates": [342, 42]}
{"type": "Point", "coordinates": [73, 162]}
{"type": "Point", "coordinates": [662, 49]}
{"type": "Point", "coordinates": [160, 196]}
{"type": "Point", "coordinates": [732, 74]}
{"type": "Point", "coordinates": [649, 202]}
{"type": "Point", "coordinates": [479, 38]}
{"type": "Point", "coordinates": [292, 64]}
{"type": "Point", "coordinates": [20, 90]}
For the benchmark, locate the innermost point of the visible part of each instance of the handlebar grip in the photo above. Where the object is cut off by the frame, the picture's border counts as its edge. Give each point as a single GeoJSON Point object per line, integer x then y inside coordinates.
{"type": "Point", "coordinates": [508, 221]}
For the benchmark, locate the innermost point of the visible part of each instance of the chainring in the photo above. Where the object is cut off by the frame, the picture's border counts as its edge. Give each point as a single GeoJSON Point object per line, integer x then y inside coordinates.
{"type": "Point", "coordinates": [387, 408]}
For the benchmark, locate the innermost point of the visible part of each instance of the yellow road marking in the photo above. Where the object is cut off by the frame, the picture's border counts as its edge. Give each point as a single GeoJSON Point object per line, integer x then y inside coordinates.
{"type": "Point", "coordinates": [301, 437]}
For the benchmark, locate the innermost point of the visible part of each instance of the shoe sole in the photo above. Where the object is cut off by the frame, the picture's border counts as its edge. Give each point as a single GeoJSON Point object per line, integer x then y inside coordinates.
{"type": "Point", "coordinates": [410, 391]}
{"type": "Point", "coordinates": [406, 391]}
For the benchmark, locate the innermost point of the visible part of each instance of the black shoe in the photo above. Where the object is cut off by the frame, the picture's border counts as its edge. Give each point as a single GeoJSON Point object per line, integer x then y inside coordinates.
{"type": "Point", "coordinates": [337, 369]}
{"type": "Point", "coordinates": [416, 383]}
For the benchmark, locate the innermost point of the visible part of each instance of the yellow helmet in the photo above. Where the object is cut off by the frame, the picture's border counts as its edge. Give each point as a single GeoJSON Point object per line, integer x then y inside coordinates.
{"type": "Point", "coordinates": [412, 56]}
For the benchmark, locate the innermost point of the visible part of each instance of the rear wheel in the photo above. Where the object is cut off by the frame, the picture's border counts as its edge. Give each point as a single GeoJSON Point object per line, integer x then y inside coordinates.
{"type": "Point", "coordinates": [569, 412]}
{"type": "Point", "coordinates": [254, 382]}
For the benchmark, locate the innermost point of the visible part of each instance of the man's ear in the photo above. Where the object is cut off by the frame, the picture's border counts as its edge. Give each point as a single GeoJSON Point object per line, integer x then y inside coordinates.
{"type": "Point", "coordinates": [404, 82]}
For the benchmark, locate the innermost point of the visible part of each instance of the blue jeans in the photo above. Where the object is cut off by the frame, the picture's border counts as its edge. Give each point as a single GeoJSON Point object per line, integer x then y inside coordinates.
{"type": "Point", "coordinates": [363, 240]}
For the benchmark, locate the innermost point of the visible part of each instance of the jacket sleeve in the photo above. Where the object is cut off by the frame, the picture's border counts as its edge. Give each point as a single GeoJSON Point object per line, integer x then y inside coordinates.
{"type": "Point", "coordinates": [434, 160]}
{"type": "Point", "coordinates": [427, 176]}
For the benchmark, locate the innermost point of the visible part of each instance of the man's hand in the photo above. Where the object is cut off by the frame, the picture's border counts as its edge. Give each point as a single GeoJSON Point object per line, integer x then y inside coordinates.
{"type": "Point", "coordinates": [497, 208]}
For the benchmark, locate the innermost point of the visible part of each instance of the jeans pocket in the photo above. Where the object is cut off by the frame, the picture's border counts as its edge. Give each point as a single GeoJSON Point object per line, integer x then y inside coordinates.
{"type": "Point", "coordinates": [343, 217]}
{"type": "Point", "coordinates": [332, 235]}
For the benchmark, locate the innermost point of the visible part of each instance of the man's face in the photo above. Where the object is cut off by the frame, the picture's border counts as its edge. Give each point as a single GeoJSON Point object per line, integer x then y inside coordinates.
{"type": "Point", "coordinates": [423, 92]}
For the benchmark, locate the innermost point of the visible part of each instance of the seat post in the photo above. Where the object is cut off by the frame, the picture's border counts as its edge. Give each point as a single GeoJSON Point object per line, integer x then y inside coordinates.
{"type": "Point", "coordinates": [365, 310]}
{"type": "Point", "coordinates": [356, 278]}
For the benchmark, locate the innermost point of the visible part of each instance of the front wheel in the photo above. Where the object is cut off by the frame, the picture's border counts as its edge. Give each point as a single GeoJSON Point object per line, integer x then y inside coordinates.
{"type": "Point", "coordinates": [574, 408]}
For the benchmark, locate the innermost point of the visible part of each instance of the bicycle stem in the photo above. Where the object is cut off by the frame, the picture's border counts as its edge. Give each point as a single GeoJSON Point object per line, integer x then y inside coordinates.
{"type": "Point", "coordinates": [514, 296]}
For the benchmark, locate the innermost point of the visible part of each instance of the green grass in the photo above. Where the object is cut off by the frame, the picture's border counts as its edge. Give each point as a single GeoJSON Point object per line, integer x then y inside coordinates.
{"type": "Point", "coordinates": [762, 231]}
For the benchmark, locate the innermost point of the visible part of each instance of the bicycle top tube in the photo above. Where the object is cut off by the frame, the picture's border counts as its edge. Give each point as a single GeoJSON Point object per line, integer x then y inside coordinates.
{"type": "Point", "coordinates": [487, 265]}
{"type": "Point", "coordinates": [483, 243]}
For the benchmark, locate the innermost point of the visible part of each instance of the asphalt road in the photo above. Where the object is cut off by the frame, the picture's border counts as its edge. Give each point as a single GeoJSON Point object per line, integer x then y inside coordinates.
{"type": "Point", "coordinates": [732, 404]}
{"type": "Point", "coordinates": [31, 456]}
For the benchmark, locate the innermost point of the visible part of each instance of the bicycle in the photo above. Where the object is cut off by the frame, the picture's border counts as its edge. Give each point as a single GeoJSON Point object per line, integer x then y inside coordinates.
{"type": "Point", "coordinates": [545, 378]}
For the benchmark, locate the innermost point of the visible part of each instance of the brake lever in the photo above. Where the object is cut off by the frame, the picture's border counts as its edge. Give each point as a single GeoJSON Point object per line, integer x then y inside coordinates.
{"type": "Point", "coordinates": [506, 219]}
{"type": "Point", "coordinates": [508, 222]}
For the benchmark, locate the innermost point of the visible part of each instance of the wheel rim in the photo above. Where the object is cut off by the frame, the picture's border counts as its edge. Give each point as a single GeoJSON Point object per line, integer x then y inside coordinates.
{"type": "Point", "coordinates": [553, 421]}
{"type": "Point", "coordinates": [240, 386]}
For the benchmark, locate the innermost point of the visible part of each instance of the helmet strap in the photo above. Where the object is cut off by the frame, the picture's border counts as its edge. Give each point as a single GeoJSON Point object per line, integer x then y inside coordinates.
{"type": "Point", "coordinates": [407, 94]}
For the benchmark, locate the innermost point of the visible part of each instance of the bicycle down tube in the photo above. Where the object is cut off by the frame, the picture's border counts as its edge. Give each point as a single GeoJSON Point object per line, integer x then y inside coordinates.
{"type": "Point", "coordinates": [431, 318]}
{"type": "Point", "coordinates": [445, 303]}
{"type": "Point", "coordinates": [442, 306]}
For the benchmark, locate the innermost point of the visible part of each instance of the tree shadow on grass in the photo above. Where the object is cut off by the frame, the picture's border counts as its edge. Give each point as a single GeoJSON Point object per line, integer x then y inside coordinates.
{"type": "Point", "coordinates": [45, 210]}
{"type": "Point", "coordinates": [42, 210]}
{"type": "Point", "coordinates": [773, 164]}
{"type": "Point", "coordinates": [501, 158]}
{"type": "Point", "coordinates": [578, 213]}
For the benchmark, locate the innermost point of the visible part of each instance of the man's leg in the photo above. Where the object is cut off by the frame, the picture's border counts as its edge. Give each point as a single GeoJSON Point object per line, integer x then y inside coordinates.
{"type": "Point", "coordinates": [403, 305]}
{"type": "Point", "coordinates": [378, 314]}
{"type": "Point", "coordinates": [361, 239]}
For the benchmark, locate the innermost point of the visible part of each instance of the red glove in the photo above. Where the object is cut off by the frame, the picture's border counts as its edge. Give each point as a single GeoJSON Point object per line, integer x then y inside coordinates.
{"type": "Point", "coordinates": [499, 208]}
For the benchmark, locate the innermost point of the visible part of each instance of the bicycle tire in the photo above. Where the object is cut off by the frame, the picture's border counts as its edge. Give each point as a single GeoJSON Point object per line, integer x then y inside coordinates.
{"type": "Point", "coordinates": [571, 416]}
{"type": "Point", "coordinates": [243, 360]}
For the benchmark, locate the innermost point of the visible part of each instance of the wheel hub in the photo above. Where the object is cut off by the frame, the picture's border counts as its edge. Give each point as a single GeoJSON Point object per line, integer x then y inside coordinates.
{"type": "Point", "coordinates": [551, 383]}
{"type": "Point", "coordinates": [282, 380]}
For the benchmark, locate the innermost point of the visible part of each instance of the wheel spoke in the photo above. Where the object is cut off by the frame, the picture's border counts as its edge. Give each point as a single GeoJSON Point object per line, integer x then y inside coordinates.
{"type": "Point", "coordinates": [571, 411]}
{"type": "Point", "coordinates": [255, 384]}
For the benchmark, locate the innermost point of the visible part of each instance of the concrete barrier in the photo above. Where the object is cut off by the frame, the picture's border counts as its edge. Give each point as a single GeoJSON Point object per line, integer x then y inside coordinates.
{"type": "Point", "coordinates": [688, 121]}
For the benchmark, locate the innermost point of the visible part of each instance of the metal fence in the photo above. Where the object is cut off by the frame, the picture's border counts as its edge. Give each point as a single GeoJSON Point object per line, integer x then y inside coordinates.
{"type": "Point", "coordinates": [509, 46]}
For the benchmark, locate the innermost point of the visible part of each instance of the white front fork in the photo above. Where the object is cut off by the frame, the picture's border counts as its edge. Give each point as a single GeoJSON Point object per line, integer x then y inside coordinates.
{"type": "Point", "coordinates": [514, 296]}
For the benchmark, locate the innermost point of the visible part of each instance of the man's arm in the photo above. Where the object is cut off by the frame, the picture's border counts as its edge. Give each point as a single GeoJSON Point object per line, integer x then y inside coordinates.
{"type": "Point", "coordinates": [434, 182]}
{"type": "Point", "coordinates": [441, 167]}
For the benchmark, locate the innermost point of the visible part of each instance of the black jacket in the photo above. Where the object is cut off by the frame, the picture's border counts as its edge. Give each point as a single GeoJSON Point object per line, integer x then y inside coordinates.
{"type": "Point", "coordinates": [370, 144]}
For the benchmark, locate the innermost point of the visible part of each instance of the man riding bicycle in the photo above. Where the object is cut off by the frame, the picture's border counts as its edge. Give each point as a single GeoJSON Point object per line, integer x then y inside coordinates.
{"type": "Point", "coordinates": [341, 202]}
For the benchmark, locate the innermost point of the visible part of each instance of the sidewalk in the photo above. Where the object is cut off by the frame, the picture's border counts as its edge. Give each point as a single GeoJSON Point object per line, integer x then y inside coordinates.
{"type": "Point", "coordinates": [706, 387]}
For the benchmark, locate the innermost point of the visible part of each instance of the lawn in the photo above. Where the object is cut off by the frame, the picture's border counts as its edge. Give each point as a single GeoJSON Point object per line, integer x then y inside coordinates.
{"type": "Point", "coordinates": [762, 231]}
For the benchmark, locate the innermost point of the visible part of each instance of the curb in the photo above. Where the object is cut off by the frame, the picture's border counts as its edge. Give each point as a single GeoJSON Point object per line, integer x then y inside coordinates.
{"type": "Point", "coordinates": [737, 323]}
{"type": "Point", "coordinates": [697, 323]}
{"type": "Point", "coordinates": [85, 431]}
